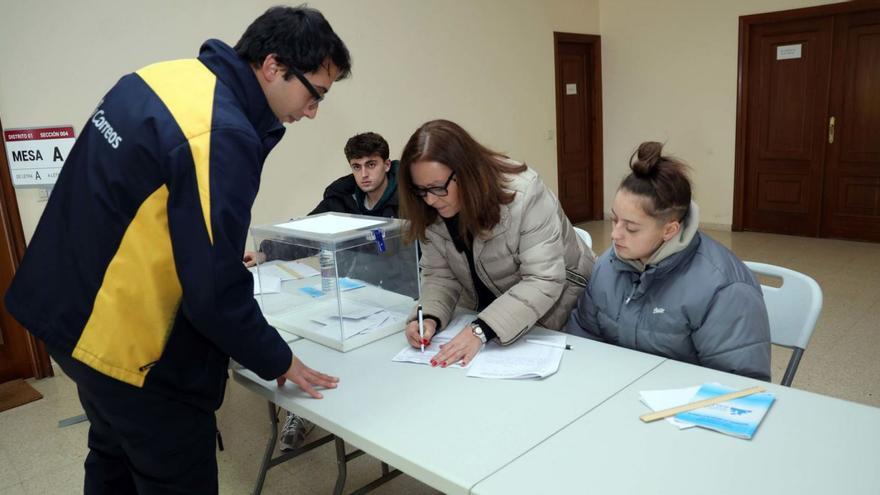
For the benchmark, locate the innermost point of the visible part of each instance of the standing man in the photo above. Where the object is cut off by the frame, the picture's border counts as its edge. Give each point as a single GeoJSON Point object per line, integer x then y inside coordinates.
{"type": "Point", "coordinates": [133, 277]}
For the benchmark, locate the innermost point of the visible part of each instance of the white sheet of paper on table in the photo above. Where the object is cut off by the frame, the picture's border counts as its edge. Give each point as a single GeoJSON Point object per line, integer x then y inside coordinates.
{"type": "Point", "coordinates": [358, 326]}
{"type": "Point", "coordinates": [329, 224]}
{"type": "Point", "coordinates": [293, 271]}
{"type": "Point", "coordinates": [266, 284]}
{"type": "Point", "coordinates": [658, 400]}
{"type": "Point", "coordinates": [522, 359]}
{"type": "Point", "coordinates": [415, 355]}
{"type": "Point", "coordinates": [519, 360]}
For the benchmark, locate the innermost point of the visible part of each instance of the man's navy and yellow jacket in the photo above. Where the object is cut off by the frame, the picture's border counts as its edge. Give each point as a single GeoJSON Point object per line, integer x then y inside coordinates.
{"type": "Point", "coordinates": [135, 267]}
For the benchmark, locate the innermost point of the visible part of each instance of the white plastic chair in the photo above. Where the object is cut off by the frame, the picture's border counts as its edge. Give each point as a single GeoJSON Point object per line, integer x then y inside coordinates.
{"type": "Point", "coordinates": [793, 309]}
{"type": "Point", "coordinates": [585, 236]}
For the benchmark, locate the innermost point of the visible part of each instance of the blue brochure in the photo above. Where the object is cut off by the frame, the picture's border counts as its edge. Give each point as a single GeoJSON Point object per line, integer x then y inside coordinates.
{"type": "Point", "coordinates": [738, 417]}
{"type": "Point", "coordinates": [345, 284]}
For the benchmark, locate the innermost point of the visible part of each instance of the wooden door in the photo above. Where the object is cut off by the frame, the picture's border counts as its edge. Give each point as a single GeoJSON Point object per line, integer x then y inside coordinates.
{"type": "Point", "coordinates": [578, 125]}
{"type": "Point", "coordinates": [788, 82]}
{"type": "Point", "coordinates": [21, 355]}
{"type": "Point", "coordinates": [852, 167]}
{"type": "Point", "coordinates": [808, 122]}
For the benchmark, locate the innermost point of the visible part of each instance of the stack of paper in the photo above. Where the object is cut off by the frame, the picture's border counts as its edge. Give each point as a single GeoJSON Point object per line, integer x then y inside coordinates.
{"type": "Point", "coordinates": [658, 400]}
{"type": "Point", "coordinates": [355, 318]}
{"type": "Point", "coordinates": [738, 417]}
{"type": "Point", "coordinates": [522, 359]}
{"type": "Point", "coordinates": [269, 276]}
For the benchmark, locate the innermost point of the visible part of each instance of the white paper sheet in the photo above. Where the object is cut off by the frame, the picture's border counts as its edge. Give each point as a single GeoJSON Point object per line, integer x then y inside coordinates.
{"type": "Point", "coordinates": [658, 400]}
{"type": "Point", "coordinates": [410, 354]}
{"type": "Point", "coordinates": [266, 284]}
{"type": "Point", "coordinates": [519, 360]}
{"type": "Point", "coordinates": [329, 224]}
{"type": "Point", "coordinates": [350, 310]}
{"type": "Point", "coordinates": [357, 326]}
{"type": "Point", "coordinates": [286, 270]}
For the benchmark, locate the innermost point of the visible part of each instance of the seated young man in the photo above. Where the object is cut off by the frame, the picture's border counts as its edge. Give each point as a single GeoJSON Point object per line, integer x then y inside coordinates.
{"type": "Point", "coordinates": [370, 189]}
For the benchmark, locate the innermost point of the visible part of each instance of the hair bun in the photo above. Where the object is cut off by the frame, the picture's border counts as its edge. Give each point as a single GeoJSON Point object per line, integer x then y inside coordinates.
{"type": "Point", "coordinates": [644, 161]}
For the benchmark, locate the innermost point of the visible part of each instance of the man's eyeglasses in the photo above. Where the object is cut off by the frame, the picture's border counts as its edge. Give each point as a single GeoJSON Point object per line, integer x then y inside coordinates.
{"type": "Point", "coordinates": [317, 97]}
{"type": "Point", "coordinates": [438, 191]}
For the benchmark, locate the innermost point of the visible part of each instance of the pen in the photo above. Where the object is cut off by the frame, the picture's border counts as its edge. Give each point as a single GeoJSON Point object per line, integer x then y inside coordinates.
{"type": "Point", "coordinates": [549, 344]}
{"type": "Point", "coordinates": [421, 328]}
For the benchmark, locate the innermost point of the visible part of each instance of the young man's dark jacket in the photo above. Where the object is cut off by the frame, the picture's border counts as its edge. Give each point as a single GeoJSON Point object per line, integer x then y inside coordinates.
{"type": "Point", "coordinates": [135, 267]}
{"type": "Point", "coordinates": [382, 269]}
{"type": "Point", "coordinates": [344, 196]}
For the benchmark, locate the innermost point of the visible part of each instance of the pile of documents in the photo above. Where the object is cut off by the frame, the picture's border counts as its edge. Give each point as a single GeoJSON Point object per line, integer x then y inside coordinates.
{"type": "Point", "coordinates": [738, 417]}
{"type": "Point", "coordinates": [536, 357]}
{"type": "Point", "coordinates": [356, 318]}
{"type": "Point", "coordinates": [268, 276]}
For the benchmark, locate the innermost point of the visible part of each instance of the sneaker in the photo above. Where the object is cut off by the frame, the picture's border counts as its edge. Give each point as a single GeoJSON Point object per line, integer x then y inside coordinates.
{"type": "Point", "coordinates": [294, 432]}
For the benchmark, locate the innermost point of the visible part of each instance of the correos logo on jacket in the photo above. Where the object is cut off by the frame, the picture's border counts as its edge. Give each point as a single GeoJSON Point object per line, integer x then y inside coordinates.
{"type": "Point", "coordinates": [106, 129]}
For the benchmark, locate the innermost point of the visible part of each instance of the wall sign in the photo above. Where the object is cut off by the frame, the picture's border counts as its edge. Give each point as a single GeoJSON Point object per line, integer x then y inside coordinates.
{"type": "Point", "coordinates": [787, 52]}
{"type": "Point", "coordinates": [35, 155]}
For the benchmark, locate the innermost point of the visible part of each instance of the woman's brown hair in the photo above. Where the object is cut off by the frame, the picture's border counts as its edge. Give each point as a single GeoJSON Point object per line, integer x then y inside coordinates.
{"type": "Point", "coordinates": [478, 171]}
{"type": "Point", "coordinates": [662, 180]}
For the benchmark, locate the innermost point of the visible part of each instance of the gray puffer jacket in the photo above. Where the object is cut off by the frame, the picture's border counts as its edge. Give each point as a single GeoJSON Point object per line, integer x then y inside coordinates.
{"type": "Point", "coordinates": [700, 305]}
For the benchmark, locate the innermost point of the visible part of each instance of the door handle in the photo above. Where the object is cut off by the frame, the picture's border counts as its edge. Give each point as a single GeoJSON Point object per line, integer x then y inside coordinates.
{"type": "Point", "coordinates": [831, 130]}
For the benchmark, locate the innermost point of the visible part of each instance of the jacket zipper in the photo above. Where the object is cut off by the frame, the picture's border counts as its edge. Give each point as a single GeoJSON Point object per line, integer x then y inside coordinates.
{"type": "Point", "coordinates": [633, 292]}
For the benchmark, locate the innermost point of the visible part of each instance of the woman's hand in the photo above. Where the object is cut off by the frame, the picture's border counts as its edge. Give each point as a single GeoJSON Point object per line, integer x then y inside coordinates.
{"type": "Point", "coordinates": [412, 332]}
{"type": "Point", "coordinates": [464, 347]}
{"type": "Point", "coordinates": [252, 258]}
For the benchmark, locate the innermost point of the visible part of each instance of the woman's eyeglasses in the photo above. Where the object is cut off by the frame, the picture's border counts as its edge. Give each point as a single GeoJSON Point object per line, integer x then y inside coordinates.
{"type": "Point", "coordinates": [438, 191]}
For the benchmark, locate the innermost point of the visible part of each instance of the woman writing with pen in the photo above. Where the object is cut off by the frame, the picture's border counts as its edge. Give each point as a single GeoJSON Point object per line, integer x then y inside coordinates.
{"type": "Point", "coordinates": [494, 240]}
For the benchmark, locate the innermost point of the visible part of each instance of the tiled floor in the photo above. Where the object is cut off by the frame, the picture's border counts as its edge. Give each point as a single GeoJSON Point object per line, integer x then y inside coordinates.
{"type": "Point", "coordinates": [36, 457]}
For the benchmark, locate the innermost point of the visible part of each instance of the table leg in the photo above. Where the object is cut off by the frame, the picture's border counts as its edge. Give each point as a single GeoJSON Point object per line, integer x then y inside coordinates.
{"type": "Point", "coordinates": [270, 448]}
{"type": "Point", "coordinates": [341, 466]}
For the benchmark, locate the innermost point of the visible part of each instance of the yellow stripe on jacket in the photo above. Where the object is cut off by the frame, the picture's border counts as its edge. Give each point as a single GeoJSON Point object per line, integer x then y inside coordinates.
{"type": "Point", "coordinates": [140, 294]}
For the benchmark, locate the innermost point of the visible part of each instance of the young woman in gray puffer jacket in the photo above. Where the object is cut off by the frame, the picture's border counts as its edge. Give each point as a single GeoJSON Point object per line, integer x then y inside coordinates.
{"type": "Point", "coordinates": [668, 289]}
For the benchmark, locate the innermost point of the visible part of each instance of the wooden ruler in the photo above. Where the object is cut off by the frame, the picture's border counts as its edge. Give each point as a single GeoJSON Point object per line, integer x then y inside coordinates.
{"type": "Point", "coordinates": [289, 270]}
{"type": "Point", "coordinates": [672, 411]}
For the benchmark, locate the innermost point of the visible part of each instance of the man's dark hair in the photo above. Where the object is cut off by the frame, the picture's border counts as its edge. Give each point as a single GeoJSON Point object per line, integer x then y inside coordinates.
{"type": "Point", "coordinates": [366, 144]}
{"type": "Point", "coordinates": [300, 37]}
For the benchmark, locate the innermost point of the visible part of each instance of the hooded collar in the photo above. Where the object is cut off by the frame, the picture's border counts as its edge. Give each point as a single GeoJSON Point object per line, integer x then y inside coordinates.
{"type": "Point", "coordinates": [238, 76]}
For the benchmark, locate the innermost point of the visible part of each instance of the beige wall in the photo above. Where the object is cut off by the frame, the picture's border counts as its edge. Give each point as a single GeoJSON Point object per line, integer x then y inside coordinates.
{"type": "Point", "coordinates": [669, 75]}
{"type": "Point", "coordinates": [487, 64]}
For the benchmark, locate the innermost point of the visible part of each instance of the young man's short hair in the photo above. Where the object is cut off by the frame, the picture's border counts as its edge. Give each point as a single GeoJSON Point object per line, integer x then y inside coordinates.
{"type": "Point", "coordinates": [366, 144]}
{"type": "Point", "coordinates": [299, 37]}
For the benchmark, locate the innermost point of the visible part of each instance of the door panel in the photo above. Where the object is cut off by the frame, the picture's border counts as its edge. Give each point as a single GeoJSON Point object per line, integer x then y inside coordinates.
{"type": "Point", "coordinates": [786, 123]}
{"type": "Point", "coordinates": [852, 169]}
{"type": "Point", "coordinates": [21, 355]}
{"type": "Point", "coordinates": [575, 133]}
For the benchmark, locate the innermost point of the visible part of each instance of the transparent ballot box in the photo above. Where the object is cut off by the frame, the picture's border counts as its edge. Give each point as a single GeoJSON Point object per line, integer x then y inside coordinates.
{"type": "Point", "coordinates": [337, 279]}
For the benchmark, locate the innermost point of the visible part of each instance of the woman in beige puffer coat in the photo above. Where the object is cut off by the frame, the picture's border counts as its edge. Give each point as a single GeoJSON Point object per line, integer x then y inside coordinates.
{"type": "Point", "coordinates": [494, 240]}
